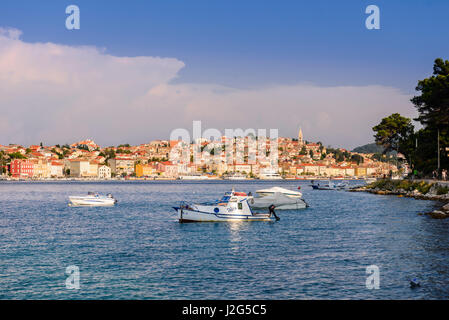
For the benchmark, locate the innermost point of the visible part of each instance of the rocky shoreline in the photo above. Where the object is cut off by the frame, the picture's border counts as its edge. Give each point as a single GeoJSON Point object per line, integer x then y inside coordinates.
{"type": "Point", "coordinates": [413, 189]}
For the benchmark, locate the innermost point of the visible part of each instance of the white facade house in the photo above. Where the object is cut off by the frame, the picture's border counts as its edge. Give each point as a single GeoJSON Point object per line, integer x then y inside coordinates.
{"type": "Point", "coordinates": [104, 172]}
{"type": "Point", "coordinates": [56, 169]}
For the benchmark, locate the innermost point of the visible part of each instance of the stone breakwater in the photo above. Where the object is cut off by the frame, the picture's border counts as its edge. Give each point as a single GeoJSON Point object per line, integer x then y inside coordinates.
{"type": "Point", "coordinates": [413, 189]}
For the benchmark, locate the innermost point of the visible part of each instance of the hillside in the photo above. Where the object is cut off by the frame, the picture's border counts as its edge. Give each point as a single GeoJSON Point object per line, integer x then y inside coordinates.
{"type": "Point", "coordinates": [369, 148]}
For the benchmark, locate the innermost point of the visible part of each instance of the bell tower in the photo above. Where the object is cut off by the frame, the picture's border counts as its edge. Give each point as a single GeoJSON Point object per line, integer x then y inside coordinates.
{"type": "Point", "coordinates": [300, 138]}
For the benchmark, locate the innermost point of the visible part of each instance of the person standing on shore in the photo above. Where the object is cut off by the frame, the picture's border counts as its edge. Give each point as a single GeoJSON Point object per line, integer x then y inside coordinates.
{"type": "Point", "coordinates": [434, 175]}
{"type": "Point", "coordinates": [444, 175]}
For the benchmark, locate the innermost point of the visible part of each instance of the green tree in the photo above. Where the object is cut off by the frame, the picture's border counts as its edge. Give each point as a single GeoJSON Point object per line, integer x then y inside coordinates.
{"type": "Point", "coordinates": [433, 103]}
{"type": "Point", "coordinates": [16, 155]}
{"type": "Point", "coordinates": [393, 133]}
{"type": "Point", "coordinates": [433, 109]}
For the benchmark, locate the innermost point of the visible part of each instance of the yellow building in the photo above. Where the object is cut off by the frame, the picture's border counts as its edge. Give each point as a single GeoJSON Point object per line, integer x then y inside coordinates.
{"type": "Point", "coordinates": [360, 171]}
{"type": "Point", "coordinates": [143, 170]}
{"type": "Point", "coordinates": [41, 169]}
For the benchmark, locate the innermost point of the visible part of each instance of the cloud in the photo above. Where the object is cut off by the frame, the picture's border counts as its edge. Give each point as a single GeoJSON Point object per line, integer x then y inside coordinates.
{"type": "Point", "coordinates": [57, 93]}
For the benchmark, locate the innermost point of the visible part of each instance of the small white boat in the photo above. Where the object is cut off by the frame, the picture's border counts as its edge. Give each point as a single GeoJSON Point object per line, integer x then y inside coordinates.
{"type": "Point", "coordinates": [286, 192]}
{"type": "Point", "coordinates": [193, 177]}
{"type": "Point", "coordinates": [235, 176]}
{"type": "Point", "coordinates": [370, 180]}
{"type": "Point", "coordinates": [281, 198]}
{"type": "Point", "coordinates": [329, 185]}
{"type": "Point", "coordinates": [92, 200]}
{"type": "Point", "coordinates": [270, 175]}
{"type": "Point", "coordinates": [229, 208]}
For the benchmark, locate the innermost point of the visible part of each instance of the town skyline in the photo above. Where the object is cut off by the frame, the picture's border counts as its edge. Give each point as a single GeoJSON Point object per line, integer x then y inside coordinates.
{"type": "Point", "coordinates": [249, 157]}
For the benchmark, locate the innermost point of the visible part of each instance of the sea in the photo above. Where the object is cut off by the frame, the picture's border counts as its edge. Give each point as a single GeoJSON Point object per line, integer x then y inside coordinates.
{"type": "Point", "coordinates": [345, 245]}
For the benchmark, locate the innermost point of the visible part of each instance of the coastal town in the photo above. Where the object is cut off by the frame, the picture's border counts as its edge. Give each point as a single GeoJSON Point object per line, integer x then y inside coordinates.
{"type": "Point", "coordinates": [296, 159]}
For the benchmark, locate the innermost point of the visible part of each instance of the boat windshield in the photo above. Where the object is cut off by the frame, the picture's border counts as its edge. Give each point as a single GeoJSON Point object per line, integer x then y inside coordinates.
{"type": "Point", "coordinates": [225, 199]}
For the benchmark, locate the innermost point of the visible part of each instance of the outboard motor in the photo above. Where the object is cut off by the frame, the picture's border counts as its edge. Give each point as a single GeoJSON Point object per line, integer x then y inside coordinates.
{"type": "Point", "coordinates": [271, 209]}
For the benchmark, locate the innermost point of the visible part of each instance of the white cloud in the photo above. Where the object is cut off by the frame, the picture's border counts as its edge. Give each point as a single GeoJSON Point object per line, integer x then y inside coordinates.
{"type": "Point", "coordinates": [57, 94]}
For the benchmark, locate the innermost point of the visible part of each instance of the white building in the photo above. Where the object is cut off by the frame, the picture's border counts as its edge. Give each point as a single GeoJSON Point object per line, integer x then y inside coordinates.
{"type": "Point", "coordinates": [104, 172]}
{"type": "Point", "coordinates": [56, 169]}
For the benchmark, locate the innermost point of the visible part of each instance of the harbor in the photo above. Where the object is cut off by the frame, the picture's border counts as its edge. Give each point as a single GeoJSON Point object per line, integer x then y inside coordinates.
{"type": "Point", "coordinates": [137, 249]}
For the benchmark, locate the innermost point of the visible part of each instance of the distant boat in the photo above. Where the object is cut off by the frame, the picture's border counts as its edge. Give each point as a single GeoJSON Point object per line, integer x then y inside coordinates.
{"type": "Point", "coordinates": [92, 200]}
{"type": "Point", "coordinates": [270, 175]}
{"type": "Point", "coordinates": [329, 185]}
{"type": "Point", "coordinates": [370, 180]}
{"type": "Point", "coordinates": [235, 176]}
{"type": "Point", "coordinates": [193, 177]}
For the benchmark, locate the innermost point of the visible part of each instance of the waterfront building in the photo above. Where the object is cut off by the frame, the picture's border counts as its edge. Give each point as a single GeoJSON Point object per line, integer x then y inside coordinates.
{"type": "Point", "coordinates": [168, 169]}
{"type": "Point", "coordinates": [360, 171]}
{"type": "Point", "coordinates": [56, 169]}
{"type": "Point", "coordinates": [83, 168]}
{"type": "Point", "coordinates": [41, 169]}
{"type": "Point", "coordinates": [122, 165]}
{"type": "Point", "coordinates": [104, 172]}
{"type": "Point", "coordinates": [21, 168]}
{"type": "Point", "coordinates": [144, 170]}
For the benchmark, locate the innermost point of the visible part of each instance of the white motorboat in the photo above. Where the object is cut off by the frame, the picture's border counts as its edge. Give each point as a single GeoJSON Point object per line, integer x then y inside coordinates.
{"type": "Point", "coordinates": [193, 177]}
{"type": "Point", "coordinates": [229, 208]}
{"type": "Point", "coordinates": [286, 192]}
{"type": "Point", "coordinates": [281, 198]}
{"type": "Point", "coordinates": [93, 200]}
{"type": "Point", "coordinates": [235, 176]}
{"type": "Point", "coordinates": [269, 175]}
{"type": "Point", "coordinates": [329, 185]}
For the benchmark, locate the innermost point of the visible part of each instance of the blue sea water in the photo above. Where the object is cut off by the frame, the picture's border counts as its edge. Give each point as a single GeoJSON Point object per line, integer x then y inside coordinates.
{"type": "Point", "coordinates": [138, 250]}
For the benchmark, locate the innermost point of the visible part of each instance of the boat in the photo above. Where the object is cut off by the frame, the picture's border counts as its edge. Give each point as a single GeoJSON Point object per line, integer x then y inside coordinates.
{"type": "Point", "coordinates": [370, 180]}
{"type": "Point", "coordinates": [193, 177]}
{"type": "Point", "coordinates": [229, 208]}
{"type": "Point", "coordinates": [329, 185]}
{"type": "Point", "coordinates": [93, 200]}
{"type": "Point", "coordinates": [269, 175]}
{"type": "Point", "coordinates": [273, 190]}
{"type": "Point", "coordinates": [281, 198]}
{"type": "Point", "coordinates": [235, 176]}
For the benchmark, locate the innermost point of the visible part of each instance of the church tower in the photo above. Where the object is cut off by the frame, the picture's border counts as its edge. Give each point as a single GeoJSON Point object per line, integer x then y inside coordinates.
{"type": "Point", "coordinates": [300, 138]}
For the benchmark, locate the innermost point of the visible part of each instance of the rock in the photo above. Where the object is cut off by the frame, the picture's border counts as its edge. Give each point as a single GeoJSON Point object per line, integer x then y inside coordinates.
{"type": "Point", "coordinates": [437, 214]}
{"type": "Point", "coordinates": [445, 207]}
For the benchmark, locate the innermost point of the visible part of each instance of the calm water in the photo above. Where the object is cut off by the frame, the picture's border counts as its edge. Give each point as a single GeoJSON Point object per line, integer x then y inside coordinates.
{"type": "Point", "coordinates": [138, 250]}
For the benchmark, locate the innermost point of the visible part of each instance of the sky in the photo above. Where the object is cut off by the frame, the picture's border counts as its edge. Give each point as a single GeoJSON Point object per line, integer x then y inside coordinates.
{"type": "Point", "coordinates": [137, 70]}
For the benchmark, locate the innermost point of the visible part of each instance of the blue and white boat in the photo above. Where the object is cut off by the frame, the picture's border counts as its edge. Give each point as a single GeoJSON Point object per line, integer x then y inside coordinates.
{"type": "Point", "coordinates": [230, 208]}
{"type": "Point", "coordinates": [92, 200]}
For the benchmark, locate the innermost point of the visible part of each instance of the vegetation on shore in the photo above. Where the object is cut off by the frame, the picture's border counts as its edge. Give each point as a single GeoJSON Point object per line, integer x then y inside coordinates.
{"type": "Point", "coordinates": [412, 188]}
{"type": "Point", "coordinates": [404, 186]}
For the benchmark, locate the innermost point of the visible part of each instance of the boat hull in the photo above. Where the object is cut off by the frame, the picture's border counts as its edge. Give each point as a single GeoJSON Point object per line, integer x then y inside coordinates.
{"type": "Point", "coordinates": [289, 206]}
{"type": "Point", "coordinates": [186, 215]}
{"type": "Point", "coordinates": [91, 202]}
